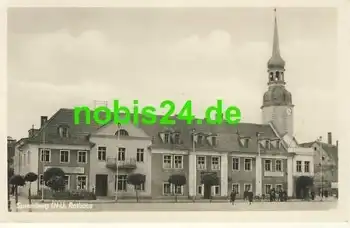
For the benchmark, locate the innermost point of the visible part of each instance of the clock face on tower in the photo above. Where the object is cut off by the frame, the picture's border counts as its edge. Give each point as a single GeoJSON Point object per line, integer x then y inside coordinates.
{"type": "Point", "coordinates": [289, 111]}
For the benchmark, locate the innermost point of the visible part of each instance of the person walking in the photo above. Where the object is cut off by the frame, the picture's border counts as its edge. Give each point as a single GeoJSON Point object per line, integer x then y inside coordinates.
{"type": "Point", "coordinates": [250, 196]}
{"type": "Point", "coordinates": [312, 195]}
{"type": "Point", "coordinates": [272, 195]}
{"type": "Point", "coordinates": [233, 196]}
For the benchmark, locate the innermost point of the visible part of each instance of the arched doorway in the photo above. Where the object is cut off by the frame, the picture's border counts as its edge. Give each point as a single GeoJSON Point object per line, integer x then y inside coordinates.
{"type": "Point", "coordinates": [209, 179]}
{"type": "Point", "coordinates": [302, 185]}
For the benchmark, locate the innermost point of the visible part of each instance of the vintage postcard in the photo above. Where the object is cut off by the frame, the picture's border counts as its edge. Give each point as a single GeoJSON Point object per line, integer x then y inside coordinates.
{"type": "Point", "coordinates": [181, 109]}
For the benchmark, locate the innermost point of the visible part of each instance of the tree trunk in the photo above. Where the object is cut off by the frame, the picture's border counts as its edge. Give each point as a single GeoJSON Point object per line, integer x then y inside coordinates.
{"type": "Point", "coordinates": [175, 194]}
{"type": "Point", "coordinates": [30, 197]}
{"type": "Point", "coordinates": [16, 197]}
{"type": "Point", "coordinates": [137, 195]}
{"type": "Point", "coordinates": [8, 197]}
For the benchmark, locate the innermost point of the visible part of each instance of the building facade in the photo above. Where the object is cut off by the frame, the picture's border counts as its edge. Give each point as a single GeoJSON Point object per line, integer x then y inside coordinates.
{"type": "Point", "coordinates": [11, 143]}
{"type": "Point", "coordinates": [325, 164]}
{"type": "Point", "coordinates": [247, 156]}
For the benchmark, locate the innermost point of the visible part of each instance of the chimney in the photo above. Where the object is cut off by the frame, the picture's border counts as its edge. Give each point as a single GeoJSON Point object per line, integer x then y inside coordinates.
{"type": "Point", "coordinates": [32, 132]}
{"type": "Point", "coordinates": [43, 120]}
{"type": "Point", "coordinates": [336, 144]}
{"type": "Point", "coordinates": [330, 138]}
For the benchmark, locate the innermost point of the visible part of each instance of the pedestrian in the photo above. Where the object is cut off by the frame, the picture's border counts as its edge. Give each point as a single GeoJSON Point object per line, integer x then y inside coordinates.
{"type": "Point", "coordinates": [245, 194]}
{"type": "Point", "coordinates": [272, 195]}
{"type": "Point", "coordinates": [250, 197]}
{"type": "Point", "coordinates": [13, 190]}
{"type": "Point", "coordinates": [285, 196]}
{"type": "Point", "coordinates": [326, 194]}
{"type": "Point", "coordinates": [233, 196]}
{"type": "Point", "coordinates": [312, 195]}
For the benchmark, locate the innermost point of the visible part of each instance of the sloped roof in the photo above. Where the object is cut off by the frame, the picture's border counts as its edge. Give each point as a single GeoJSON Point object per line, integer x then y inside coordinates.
{"type": "Point", "coordinates": [227, 135]}
{"type": "Point", "coordinates": [331, 150]}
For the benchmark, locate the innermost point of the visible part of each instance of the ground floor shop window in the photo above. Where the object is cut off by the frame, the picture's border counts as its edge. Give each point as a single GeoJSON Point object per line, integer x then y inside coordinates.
{"type": "Point", "coordinates": [81, 182]}
{"type": "Point", "coordinates": [122, 182]}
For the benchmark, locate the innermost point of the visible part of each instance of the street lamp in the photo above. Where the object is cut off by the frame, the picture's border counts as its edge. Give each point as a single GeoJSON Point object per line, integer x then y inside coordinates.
{"type": "Point", "coordinates": [319, 140]}
{"type": "Point", "coordinates": [258, 170]}
{"type": "Point", "coordinates": [195, 168]}
{"type": "Point", "coordinates": [116, 164]}
{"type": "Point", "coordinates": [43, 166]}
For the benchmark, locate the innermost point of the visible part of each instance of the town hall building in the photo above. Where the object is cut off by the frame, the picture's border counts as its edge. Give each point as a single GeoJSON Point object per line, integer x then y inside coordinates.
{"type": "Point", "coordinates": [246, 156]}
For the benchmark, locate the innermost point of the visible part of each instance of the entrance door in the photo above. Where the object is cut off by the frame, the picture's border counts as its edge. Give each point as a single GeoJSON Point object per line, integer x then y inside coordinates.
{"type": "Point", "coordinates": [101, 184]}
{"type": "Point", "coordinates": [207, 191]}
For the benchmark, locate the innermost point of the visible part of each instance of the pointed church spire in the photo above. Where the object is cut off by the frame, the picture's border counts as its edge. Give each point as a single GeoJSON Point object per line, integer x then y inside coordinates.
{"type": "Point", "coordinates": [276, 60]}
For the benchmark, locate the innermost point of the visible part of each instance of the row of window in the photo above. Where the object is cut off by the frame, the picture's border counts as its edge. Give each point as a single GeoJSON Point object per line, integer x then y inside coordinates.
{"type": "Point", "coordinates": [268, 188]}
{"type": "Point", "coordinates": [170, 189]}
{"type": "Point", "coordinates": [306, 166]}
{"type": "Point", "coordinates": [176, 162]}
{"type": "Point", "coordinates": [45, 156]}
{"type": "Point", "coordinates": [63, 132]}
{"type": "Point", "coordinates": [174, 138]}
{"type": "Point", "coordinates": [81, 181]}
{"type": "Point", "coordinates": [248, 164]}
{"type": "Point", "coordinates": [102, 154]}
{"type": "Point", "coordinates": [265, 144]}
{"type": "Point", "coordinates": [236, 186]}
{"type": "Point", "coordinates": [173, 161]}
{"type": "Point", "coordinates": [123, 183]}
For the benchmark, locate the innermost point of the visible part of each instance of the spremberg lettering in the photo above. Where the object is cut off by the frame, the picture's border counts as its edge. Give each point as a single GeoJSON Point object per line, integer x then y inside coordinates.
{"type": "Point", "coordinates": [33, 206]}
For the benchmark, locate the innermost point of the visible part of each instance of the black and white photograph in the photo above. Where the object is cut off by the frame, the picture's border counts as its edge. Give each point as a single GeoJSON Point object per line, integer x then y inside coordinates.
{"type": "Point", "coordinates": [172, 109]}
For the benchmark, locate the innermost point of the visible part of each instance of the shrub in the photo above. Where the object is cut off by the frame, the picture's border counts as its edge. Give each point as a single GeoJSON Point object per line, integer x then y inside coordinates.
{"type": "Point", "coordinates": [177, 180]}
{"type": "Point", "coordinates": [17, 180]}
{"type": "Point", "coordinates": [30, 177]}
{"type": "Point", "coordinates": [56, 183]}
{"type": "Point", "coordinates": [137, 180]}
{"type": "Point", "coordinates": [68, 195]}
{"type": "Point", "coordinates": [53, 178]}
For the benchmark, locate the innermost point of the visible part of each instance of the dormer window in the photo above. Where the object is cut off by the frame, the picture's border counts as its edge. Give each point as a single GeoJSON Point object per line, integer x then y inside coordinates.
{"type": "Point", "coordinates": [244, 142]}
{"type": "Point", "coordinates": [177, 138]}
{"type": "Point", "coordinates": [122, 132]}
{"type": "Point", "coordinates": [213, 141]}
{"type": "Point", "coordinates": [267, 144]}
{"type": "Point", "coordinates": [166, 138]}
{"type": "Point", "coordinates": [63, 131]}
{"type": "Point", "coordinates": [278, 143]}
{"type": "Point", "coordinates": [199, 139]}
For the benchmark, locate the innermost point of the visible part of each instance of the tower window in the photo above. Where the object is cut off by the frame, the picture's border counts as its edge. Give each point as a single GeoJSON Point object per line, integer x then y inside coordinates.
{"type": "Point", "coordinates": [271, 77]}
{"type": "Point", "coordinates": [277, 76]}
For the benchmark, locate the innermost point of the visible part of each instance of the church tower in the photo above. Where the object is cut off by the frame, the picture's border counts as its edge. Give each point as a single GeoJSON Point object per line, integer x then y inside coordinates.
{"type": "Point", "coordinates": [277, 102]}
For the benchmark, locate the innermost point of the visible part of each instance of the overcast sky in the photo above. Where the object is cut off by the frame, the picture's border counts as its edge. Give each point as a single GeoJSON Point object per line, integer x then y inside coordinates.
{"type": "Point", "coordinates": [61, 58]}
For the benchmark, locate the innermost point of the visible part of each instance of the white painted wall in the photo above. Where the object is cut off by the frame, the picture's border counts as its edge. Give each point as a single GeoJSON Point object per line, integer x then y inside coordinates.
{"type": "Point", "coordinates": [30, 165]}
{"type": "Point", "coordinates": [224, 174]}
{"type": "Point", "coordinates": [303, 158]}
{"type": "Point", "coordinates": [106, 137]}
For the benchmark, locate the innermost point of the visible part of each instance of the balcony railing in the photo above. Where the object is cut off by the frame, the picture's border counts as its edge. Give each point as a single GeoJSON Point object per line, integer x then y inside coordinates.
{"type": "Point", "coordinates": [113, 163]}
